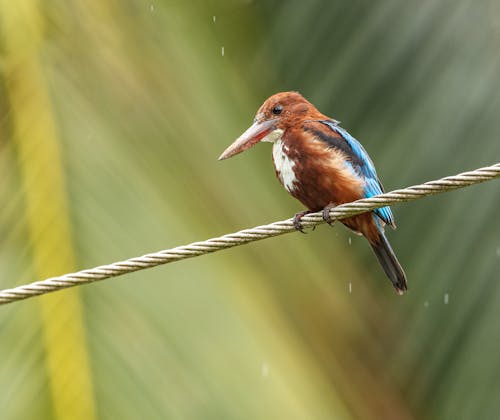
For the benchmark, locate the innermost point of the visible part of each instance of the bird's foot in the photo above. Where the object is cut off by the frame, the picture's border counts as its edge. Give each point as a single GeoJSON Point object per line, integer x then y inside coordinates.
{"type": "Point", "coordinates": [296, 220]}
{"type": "Point", "coordinates": [326, 214]}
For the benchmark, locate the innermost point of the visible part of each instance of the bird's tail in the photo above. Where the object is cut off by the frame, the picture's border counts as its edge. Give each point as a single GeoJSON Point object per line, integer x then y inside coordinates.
{"type": "Point", "coordinates": [390, 263]}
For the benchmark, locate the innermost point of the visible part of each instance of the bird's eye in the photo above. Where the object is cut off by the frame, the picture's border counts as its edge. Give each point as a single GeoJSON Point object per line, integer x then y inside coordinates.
{"type": "Point", "coordinates": [277, 110]}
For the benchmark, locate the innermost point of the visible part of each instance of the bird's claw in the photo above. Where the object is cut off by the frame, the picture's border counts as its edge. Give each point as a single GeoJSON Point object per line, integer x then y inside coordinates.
{"type": "Point", "coordinates": [296, 220]}
{"type": "Point", "coordinates": [326, 214]}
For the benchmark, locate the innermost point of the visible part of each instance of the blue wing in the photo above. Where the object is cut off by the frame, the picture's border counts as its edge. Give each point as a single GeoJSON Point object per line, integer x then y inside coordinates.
{"type": "Point", "coordinates": [363, 165]}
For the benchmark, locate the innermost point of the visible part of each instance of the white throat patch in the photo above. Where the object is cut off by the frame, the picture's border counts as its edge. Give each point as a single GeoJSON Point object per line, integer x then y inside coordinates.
{"type": "Point", "coordinates": [273, 136]}
{"type": "Point", "coordinates": [284, 165]}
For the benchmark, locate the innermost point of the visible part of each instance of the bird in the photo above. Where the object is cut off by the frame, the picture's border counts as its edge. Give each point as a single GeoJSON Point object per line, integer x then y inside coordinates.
{"type": "Point", "coordinates": [320, 164]}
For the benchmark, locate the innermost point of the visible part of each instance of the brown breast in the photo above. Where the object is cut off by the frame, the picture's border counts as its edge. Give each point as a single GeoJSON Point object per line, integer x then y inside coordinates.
{"type": "Point", "coordinates": [320, 175]}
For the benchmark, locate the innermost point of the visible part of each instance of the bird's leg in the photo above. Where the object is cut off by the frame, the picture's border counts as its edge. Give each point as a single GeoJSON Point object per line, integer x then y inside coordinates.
{"type": "Point", "coordinates": [296, 220]}
{"type": "Point", "coordinates": [326, 214]}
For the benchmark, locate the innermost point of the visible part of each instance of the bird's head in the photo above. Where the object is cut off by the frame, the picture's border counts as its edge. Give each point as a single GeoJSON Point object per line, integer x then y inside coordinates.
{"type": "Point", "coordinates": [277, 114]}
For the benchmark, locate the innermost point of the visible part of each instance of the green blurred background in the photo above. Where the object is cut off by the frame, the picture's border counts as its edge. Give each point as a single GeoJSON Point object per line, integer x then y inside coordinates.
{"type": "Point", "coordinates": [112, 116]}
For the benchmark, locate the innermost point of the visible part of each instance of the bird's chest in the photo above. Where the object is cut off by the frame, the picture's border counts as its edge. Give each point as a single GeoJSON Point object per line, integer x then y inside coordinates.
{"type": "Point", "coordinates": [285, 166]}
{"type": "Point", "coordinates": [315, 175]}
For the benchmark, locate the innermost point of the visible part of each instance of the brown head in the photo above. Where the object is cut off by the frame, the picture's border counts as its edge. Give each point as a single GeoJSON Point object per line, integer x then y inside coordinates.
{"type": "Point", "coordinates": [277, 114]}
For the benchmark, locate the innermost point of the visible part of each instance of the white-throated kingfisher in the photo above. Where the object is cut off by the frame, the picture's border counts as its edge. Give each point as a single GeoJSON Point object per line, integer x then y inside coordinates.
{"type": "Point", "coordinates": [322, 165]}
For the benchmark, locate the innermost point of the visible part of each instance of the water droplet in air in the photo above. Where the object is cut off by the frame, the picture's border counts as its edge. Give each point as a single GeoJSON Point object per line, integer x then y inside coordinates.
{"type": "Point", "coordinates": [152, 8]}
{"type": "Point", "coordinates": [222, 51]}
{"type": "Point", "coordinates": [350, 287]}
{"type": "Point", "coordinates": [426, 303]}
{"type": "Point", "coordinates": [349, 240]}
{"type": "Point", "coordinates": [446, 298]}
{"type": "Point", "coordinates": [214, 18]}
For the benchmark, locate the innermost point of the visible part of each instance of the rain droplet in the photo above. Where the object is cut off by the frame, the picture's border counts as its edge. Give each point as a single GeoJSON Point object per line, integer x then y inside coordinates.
{"type": "Point", "coordinates": [350, 287]}
{"type": "Point", "coordinates": [222, 51]}
{"type": "Point", "coordinates": [214, 18]}
{"type": "Point", "coordinates": [446, 298]}
{"type": "Point", "coordinates": [152, 7]}
{"type": "Point", "coordinates": [349, 240]}
{"type": "Point", "coordinates": [426, 303]}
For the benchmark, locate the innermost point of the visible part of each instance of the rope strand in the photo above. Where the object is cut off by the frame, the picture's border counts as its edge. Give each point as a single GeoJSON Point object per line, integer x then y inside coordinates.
{"type": "Point", "coordinates": [246, 236]}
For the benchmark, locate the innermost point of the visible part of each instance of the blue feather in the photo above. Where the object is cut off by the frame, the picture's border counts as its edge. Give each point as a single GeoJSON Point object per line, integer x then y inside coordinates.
{"type": "Point", "coordinates": [364, 167]}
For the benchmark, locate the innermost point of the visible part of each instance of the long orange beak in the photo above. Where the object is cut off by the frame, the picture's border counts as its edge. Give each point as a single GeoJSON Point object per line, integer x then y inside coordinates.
{"type": "Point", "coordinates": [252, 136]}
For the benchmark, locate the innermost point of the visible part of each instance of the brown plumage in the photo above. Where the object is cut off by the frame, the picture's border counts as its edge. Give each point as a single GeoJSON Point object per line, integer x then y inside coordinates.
{"type": "Point", "coordinates": [322, 166]}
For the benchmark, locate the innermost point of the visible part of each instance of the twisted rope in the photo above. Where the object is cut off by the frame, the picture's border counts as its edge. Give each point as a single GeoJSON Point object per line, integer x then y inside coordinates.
{"type": "Point", "coordinates": [248, 235]}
